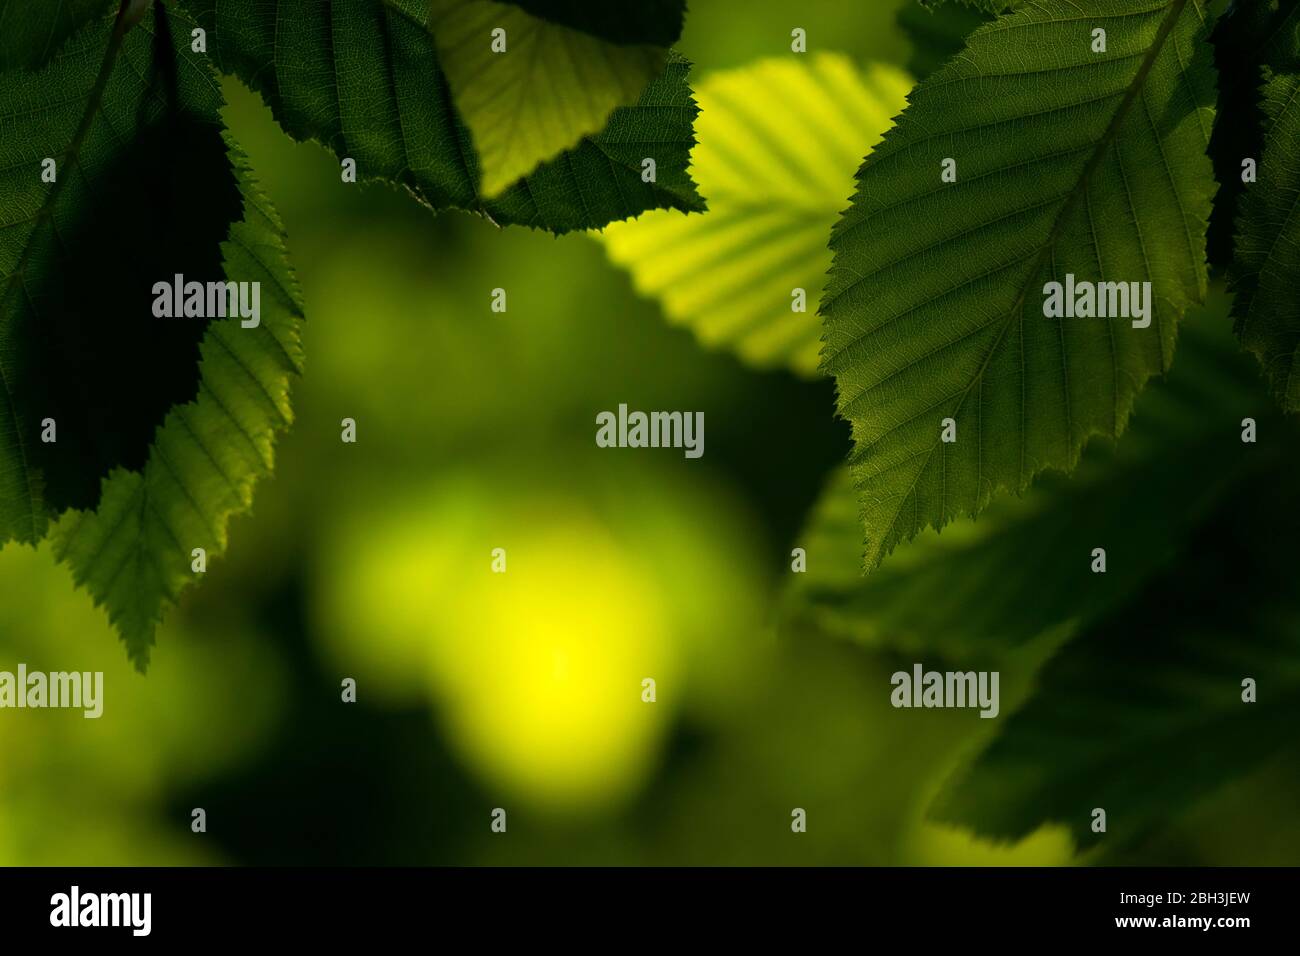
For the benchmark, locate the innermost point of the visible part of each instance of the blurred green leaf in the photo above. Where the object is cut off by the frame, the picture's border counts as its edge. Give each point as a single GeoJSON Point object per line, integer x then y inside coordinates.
{"type": "Point", "coordinates": [778, 144]}
{"type": "Point", "coordinates": [134, 552]}
{"type": "Point", "coordinates": [403, 129]}
{"type": "Point", "coordinates": [540, 93]}
{"type": "Point", "coordinates": [31, 31]}
{"type": "Point", "coordinates": [657, 22]}
{"type": "Point", "coordinates": [1023, 567]}
{"type": "Point", "coordinates": [717, 37]}
{"type": "Point", "coordinates": [1142, 714]}
{"type": "Point", "coordinates": [1278, 30]}
{"type": "Point", "coordinates": [984, 6]}
{"type": "Point", "coordinates": [127, 127]}
{"type": "Point", "coordinates": [937, 33]}
{"type": "Point", "coordinates": [934, 308]}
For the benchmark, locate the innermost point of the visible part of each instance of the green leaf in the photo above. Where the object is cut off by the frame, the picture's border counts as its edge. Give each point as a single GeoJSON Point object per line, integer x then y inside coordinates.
{"type": "Point", "coordinates": [547, 88]}
{"type": "Point", "coordinates": [1279, 45]}
{"type": "Point", "coordinates": [1251, 36]}
{"type": "Point", "coordinates": [1068, 161]}
{"type": "Point", "coordinates": [599, 181]}
{"type": "Point", "coordinates": [937, 33]}
{"type": "Point", "coordinates": [778, 144]}
{"type": "Point", "coordinates": [134, 552]}
{"type": "Point", "coordinates": [1142, 714]}
{"type": "Point", "coordinates": [992, 7]}
{"type": "Point", "coordinates": [656, 22]}
{"type": "Point", "coordinates": [388, 106]}
{"type": "Point", "coordinates": [31, 31]}
{"type": "Point", "coordinates": [1023, 568]}
{"type": "Point", "coordinates": [1266, 267]}
{"type": "Point", "coordinates": [142, 191]}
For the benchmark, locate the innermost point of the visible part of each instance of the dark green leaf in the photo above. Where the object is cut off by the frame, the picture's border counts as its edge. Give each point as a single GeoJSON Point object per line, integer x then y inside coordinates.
{"type": "Point", "coordinates": [1142, 714]}
{"type": "Point", "coordinates": [937, 33]}
{"type": "Point", "coordinates": [31, 31]}
{"type": "Point", "coordinates": [537, 94]}
{"type": "Point", "coordinates": [1279, 43]}
{"type": "Point", "coordinates": [1266, 255]}
{"type": "Point", "coordinates": [363, 78]}
{"type": "Point", "coordinates": [935, 306]}
{"type": "Point", "coordinates": [1023, 567]}
{"type": "Point", "coordinates": [143, 191]}
{"type": "Point", "coordinates": [1251, 35]}
{"type": "Point", "coordinates": [134, 552]}
{"type": "Point", "coordinates": [991, 7]}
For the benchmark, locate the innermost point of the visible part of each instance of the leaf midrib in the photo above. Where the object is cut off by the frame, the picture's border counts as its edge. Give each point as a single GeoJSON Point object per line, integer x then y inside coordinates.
{"type": "Point", "coordinates": [1134, 90]}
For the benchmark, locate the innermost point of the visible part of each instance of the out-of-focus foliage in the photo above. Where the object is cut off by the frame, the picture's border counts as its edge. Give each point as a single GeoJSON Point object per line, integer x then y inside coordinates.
{"type": "Point", "coordinates": [715, 38]}
{"type": "Point", "coordinates": [937, 33]}
{"type": "Point", "coordinates": [1144, 712]}
{"type": "Point", "coordinates": [983, 6]}
{"type": "Point", "coordinates": [105, 791]}
{"type": "Point", "coordinates": [538, 671]}
{"type": "Point", "coordinates": [657, 22]}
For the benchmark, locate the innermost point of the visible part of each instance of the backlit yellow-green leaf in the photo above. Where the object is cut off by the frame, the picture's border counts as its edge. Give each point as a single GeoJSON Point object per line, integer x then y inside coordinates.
{"type": "Point", "coordinates": [778, 144]}
{"type": "Point", "coordinates": [534, 89]}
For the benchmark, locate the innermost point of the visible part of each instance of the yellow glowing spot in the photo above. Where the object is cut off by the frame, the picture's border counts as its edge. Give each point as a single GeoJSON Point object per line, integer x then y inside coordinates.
{"type": "Point", "coordinates": [535, 674]}
{"type": "Point", "coordinates": [938, 845]}
{"type": "Point", "coordinates": [542, 668]}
